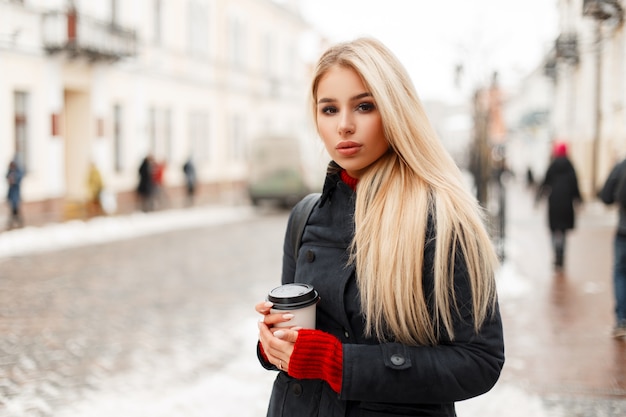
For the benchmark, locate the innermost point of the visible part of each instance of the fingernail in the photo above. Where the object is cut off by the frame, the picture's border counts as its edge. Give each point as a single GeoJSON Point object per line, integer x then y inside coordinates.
{"type": "Point", "coordinates": [279, 334]}
{"type": "Point", "coordinates": [268, 304]}
{"type": "Point", "coordinates": [288, 316]}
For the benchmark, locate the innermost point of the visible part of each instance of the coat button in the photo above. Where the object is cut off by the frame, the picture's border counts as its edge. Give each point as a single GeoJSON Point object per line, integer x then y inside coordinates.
{"type": "Point", "coordinates": [310, 256]}
{"type": "Point", "coordinates": [397, 360]}
{"type": "Point", "coordinates": [297, 390]}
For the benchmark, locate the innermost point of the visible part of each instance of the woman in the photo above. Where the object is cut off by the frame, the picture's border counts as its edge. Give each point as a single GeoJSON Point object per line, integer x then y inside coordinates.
{"type": "Point", "coordinates": [408, 321]}
{"type": "Point", "coordinates": [560, 184]}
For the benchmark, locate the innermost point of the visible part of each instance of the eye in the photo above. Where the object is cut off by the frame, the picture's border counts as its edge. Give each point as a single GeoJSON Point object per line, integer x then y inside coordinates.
{"type": "Point", "coordinates": [365, 107]}
{"type": "Point", "coordinates": [329, 110]}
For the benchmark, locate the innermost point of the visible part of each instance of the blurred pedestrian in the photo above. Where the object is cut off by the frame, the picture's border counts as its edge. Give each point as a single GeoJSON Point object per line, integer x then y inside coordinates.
{"type": "Point", "coordinates": [94, 187]}
{"type": "Point", "coordinates": [190, 180]}
{"type": "Point", "coordinates": [530, 178]}
{"type": "Point", "coordinates": [614, 191]}
{"type": "Point", "coordinates": [145, 188]}
{"type": "Point", "coordinates": [14, 179]}
{"type": "Point", "coordinates": [560, 186]}
{"type": "Point", "coordinates": [408, 321]}
{"type": "Point", "coordinates": [159, 195]}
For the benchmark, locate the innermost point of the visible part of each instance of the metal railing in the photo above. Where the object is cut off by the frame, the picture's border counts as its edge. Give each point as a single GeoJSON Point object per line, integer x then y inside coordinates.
{"type": "Point", "coordinates": [82, 35]}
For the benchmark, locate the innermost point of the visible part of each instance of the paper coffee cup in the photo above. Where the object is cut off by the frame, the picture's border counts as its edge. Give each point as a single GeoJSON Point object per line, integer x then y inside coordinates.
{"type": "Point", "coordinates": [297, 299]}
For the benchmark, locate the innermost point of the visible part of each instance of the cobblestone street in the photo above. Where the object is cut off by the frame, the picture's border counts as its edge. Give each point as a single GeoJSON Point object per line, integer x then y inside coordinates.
{"type": "Point", "coordinates": [150, 315]}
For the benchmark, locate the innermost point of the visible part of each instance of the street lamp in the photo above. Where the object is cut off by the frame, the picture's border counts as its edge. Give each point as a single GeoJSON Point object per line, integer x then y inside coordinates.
{"type": "Point", "coordinates": [601, 11]}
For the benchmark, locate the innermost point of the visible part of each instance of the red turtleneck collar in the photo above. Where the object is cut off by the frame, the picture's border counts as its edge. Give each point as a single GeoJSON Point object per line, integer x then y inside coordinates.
{"type": "Point", "coordinates": [352, 182]}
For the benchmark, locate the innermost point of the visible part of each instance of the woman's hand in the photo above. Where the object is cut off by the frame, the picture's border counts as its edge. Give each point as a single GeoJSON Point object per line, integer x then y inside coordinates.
{"type": "Point", "coordinates": [277, 342]}
{"type": "Point", "coordinates": [278, 345]}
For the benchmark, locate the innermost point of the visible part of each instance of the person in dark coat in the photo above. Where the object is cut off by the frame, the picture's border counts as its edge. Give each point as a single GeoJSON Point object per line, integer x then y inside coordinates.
{"type": "Point", "coordinates": [145, 188]}
{"type": "Point", "coordinates": [560, 186]}
{"type": "Point", "coordinates": [14, 179]}
{"type": "Point", "coordinates": [610, 193]}
{"type": "Point", "coordinates": [190, 179]}
{"type": "Point", "coordinates": [408, 321]}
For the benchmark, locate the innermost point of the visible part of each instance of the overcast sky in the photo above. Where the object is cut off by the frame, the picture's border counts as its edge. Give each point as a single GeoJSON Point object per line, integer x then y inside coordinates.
{"type": "Point", "coordinates": [432, 37]}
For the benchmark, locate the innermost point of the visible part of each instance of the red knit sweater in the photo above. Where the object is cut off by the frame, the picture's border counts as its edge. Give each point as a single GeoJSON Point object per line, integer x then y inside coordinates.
{"type": "Point", "coordinates": [316, 355]}
{"type": "Point", "coordinates": [352, 182]}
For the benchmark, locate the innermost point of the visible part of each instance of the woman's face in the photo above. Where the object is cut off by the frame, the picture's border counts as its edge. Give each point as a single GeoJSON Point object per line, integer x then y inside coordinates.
{"type": "Point", "coordinates": [348, 121]}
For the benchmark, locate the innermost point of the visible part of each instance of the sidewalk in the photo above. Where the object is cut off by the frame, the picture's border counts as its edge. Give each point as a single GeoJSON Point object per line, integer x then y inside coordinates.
{"type": "Point", "coordinates": [558, 324]}
{"type": "Point", "coordinates": [55, 236]}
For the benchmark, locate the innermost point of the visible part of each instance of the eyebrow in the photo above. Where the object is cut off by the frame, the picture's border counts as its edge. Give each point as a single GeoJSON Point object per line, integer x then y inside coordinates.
{"type": "Point", "coordinates": [357, 97]}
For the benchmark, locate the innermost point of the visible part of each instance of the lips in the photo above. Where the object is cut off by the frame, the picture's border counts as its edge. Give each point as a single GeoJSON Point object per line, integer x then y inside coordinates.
{"type": "Point", "coordinates": [347, 148]}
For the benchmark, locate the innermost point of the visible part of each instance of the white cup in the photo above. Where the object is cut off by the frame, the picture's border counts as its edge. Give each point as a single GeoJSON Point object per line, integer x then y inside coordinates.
{"type": "Point", "coordinates": [298, 299]}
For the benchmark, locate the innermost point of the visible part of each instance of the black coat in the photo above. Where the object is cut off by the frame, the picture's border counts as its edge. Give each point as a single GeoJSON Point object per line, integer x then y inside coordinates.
{"type": "Point", "coordinates": [560, 184]}
{"type": "Point", "coordinates": [146, 183]}
{"type": "Point", "coordinates": [609, 194]}
{"type": "Point", "coordinates": [379, 379]}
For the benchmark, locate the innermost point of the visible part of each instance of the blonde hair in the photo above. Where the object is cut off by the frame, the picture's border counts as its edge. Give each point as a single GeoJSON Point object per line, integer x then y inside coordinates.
{"type": "Point", "coordinates": [416, 180]}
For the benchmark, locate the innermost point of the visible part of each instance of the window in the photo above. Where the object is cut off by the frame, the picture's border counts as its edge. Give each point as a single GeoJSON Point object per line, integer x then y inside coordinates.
{"type": "Point", "coordinates": [198, 29]}
{"type": "Point", "coordinates": [199, 136]}
{"type": "Point", "coordinates": [160, 132]}
{"type": "Point", "coordinates": [114, 12]}
{"type": "Point", "coordinates": [237, 43]}
{"type": "Point", "coordinates": [22, 131]}
{"type": "Point", "coordinates": [117, 138]}
{"type": "Point", "coordinates": [158, 21]}
{"type": "Point", "coordinates": [167, 134]}
{"type": "Point", "coordinates": [268, 54]}
{"type": "Point", "coordinates": [237, 151]}
{"type": "Point", "coordinates": [152, 135]}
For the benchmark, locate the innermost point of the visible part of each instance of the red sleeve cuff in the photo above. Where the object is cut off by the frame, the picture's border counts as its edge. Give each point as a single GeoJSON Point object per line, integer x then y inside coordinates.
{"type": "Point", "coordinates": [317, 355]}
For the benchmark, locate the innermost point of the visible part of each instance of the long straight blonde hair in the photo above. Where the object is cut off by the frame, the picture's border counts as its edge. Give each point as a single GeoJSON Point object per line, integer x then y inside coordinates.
{"type": "Point", "coordinates": [416, 179]}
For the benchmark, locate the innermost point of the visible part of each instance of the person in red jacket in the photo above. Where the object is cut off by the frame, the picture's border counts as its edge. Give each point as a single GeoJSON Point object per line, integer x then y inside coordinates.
{"type": "Point", "coordinates": [158, 174]}
{"type": "Point", "coordinates": [408, 320]}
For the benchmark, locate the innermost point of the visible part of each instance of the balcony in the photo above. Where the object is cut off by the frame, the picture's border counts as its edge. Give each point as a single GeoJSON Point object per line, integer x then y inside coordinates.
{"type": "Point", "coordinates": [603, 9]}
{"type": "Point", "coordinates": [83, 36]}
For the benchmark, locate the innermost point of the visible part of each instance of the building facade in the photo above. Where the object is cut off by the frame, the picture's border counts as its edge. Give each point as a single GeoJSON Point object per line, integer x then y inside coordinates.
{"type": "Point", "coordinates": [588, 64]}
{"type": "Point", "coordinates": [112, 81]}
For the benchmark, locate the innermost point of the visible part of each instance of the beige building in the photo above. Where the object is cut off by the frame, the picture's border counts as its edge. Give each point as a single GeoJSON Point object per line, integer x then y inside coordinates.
{"type": "Point", "coordinates": [112, 81]}
{"type": "Point", "coordinates": [588, 66]}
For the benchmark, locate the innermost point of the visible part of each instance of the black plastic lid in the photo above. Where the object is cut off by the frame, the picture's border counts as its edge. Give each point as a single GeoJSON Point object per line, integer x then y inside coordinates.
{"type": "Point", "coordinates": [293, 296]}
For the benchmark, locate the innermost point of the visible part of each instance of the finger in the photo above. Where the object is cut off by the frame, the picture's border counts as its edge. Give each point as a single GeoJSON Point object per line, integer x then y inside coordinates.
{"type": "Point", "coordinates": [277, 346]}
{"type": "Point", "coordinates": [275, 318]}
{"type": "Point", "coordinates": [264, 337]}
{"type": "Point", "coordinates": [286, 335]}
{"type": "Point", "coordinates": [272, 347]}
{"type": "Point", "coordinates": [264, 307]}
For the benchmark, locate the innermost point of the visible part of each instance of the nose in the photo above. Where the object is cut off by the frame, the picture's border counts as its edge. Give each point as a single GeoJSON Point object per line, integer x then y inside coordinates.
{"type": "Point", "coordinates": [346, 124]}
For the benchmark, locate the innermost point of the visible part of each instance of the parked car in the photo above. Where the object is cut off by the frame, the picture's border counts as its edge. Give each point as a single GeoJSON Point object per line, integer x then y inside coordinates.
{"type": "Point", "coordinates": [276, 171]}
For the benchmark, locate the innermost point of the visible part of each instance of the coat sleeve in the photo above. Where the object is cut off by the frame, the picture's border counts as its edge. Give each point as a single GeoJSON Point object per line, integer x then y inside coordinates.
{"type": "Point", "coordinates": [453, 370]}
{"type": "Point", "coordinates": [449, 372]}
{"type": "Point", "coordinates": [607, 193]}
